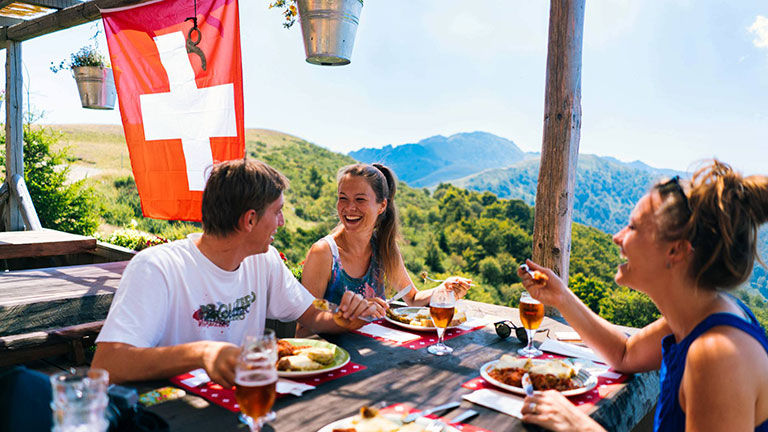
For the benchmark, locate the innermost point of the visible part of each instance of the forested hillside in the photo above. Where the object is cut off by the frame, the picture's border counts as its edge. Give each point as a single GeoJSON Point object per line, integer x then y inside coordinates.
{"type": "Point", "coordinates": [448, 231]}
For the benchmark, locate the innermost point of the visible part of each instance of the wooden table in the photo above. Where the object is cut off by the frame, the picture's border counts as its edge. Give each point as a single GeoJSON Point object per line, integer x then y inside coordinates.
{"type": "Point", "coordinates": [398, 374]}
{"type": "Point", "coordinates": [45, 242]}
{"type": "Point", "coordinates": [56, 297]}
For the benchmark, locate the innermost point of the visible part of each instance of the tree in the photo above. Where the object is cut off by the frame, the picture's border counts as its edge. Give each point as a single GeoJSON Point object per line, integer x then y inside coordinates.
{"type": "Point", "coordinates": [68, 207]}
{"type": "Point", "coordinates": [491, 271]}
{"type": "Point", "coordinates": [433, 259]}
{"type": "Point", "coordinates": [588, 289]}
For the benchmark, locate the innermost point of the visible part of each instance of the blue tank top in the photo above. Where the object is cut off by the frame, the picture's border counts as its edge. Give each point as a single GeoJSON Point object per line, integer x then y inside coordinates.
{"type": "Point", "coordinates": [669, 415]}
{"type": "Point", "coordinates": [370, 285]}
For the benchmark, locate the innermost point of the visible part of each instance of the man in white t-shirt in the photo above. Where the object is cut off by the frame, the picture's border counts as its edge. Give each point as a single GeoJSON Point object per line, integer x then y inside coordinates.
{"type": "Point", "coordinates": [187, 304]}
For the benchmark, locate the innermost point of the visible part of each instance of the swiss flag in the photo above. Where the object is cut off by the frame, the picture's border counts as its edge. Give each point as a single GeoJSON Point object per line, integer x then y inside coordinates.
{"type": "Point", "coordinates": [178, 118]}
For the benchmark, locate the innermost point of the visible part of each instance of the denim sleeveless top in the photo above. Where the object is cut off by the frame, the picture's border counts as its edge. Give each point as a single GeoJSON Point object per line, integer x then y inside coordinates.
{"type": "Point", "coordinates": [669, 415]}
{"type": "Point", "coordinates": [370, 285]}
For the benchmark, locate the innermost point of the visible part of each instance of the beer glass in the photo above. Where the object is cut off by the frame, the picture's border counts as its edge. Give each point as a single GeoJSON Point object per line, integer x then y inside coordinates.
{"type": "Point", "coordinates": [256, 379]}
{"type": "Point", "coordinates": [80, 400]}
{"type": "Point", "coordinates": [531, 315]}
{"type": "Point", "coordinates": [442, 305]}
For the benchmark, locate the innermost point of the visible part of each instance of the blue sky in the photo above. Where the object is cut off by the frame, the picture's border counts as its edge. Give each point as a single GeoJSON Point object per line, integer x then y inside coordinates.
{"type": "Point", "coordinates": [666, 82]}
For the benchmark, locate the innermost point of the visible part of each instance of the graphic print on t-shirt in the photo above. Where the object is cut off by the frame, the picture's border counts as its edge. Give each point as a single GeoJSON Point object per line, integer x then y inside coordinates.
{"type": "Point", "coordinates": [221, 314]}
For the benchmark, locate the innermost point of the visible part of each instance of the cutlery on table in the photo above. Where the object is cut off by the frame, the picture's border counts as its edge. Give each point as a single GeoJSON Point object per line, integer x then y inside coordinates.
{"type": "Point", "coordinates": [464, 416]}
{"type": "Point", "coordinates": [400, 294]}
{"type": "Point", "coordinates": [444, 407]}
{"type": "Point", "coordinates": [527, 384]}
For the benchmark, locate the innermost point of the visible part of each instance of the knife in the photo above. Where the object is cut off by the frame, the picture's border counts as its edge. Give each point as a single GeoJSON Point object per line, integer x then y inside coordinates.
{"type": "Point", "coordinates": [413, 416]}
{"type": "Point", "coordinates": [400, 294]}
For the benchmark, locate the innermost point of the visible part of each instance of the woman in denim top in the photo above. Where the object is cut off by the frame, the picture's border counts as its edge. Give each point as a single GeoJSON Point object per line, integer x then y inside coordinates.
{"type": "Point", "coordinates": [684, 247]}
{"type": "Point", "coordinates": [361, 254]}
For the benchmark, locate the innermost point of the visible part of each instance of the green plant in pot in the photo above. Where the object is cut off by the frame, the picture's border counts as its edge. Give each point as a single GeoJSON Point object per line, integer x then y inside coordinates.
{"type": "Point", "coordinates": [93, 76]}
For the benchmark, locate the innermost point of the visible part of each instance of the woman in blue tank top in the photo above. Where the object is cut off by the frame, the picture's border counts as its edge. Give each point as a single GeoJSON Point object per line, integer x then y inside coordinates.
{"type": "Point", "coordinates": [684, 247]}
{"type": "Point", "coordinates": [361, 255]}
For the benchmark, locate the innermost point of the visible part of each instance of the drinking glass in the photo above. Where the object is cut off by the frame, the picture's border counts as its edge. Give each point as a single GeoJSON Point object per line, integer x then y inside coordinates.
{"type": "Point", "coordinates": [256, 379]}
{"type": "Point", "coordinates": [442, 305]}
{"type": "Point", "coordinates": [79, 400]}
{"type": "Point", "coordinates": [531, 315]}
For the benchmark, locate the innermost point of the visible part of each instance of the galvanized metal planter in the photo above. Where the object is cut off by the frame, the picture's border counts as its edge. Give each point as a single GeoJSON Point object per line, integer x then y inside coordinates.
{"type": "Point", "coordinates": [96, 86]}
{"type": "Point", "coordinates": [329, 28]}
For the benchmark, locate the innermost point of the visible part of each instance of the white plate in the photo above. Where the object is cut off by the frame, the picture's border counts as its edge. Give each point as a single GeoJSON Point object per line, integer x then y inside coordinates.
{"type": "Point", "coordinates": [585, 380]}
{"type": "Point", "coordinates": [347, 423]}
{"type": "Point", "coordinates": [341, 359]}
{"type": "Point", "coordinates": [412, 327]}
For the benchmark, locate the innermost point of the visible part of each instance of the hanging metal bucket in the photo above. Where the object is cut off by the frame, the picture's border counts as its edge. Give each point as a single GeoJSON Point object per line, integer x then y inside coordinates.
{"type": "Point", "coordinates": [96, 86]}
{"type": "Point", "coordinates": [329, 28]}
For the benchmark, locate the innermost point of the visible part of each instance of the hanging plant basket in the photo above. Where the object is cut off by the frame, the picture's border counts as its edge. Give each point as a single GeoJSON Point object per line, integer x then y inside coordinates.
{"type": "Point", "coordinates": [329, 28]}
{"type": "Point", "coordinates": [96, 86]}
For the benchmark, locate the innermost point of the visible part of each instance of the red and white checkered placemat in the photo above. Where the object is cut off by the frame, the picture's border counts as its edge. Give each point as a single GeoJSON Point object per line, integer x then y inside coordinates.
{"type": "Point", "coordinates": [226, 397]}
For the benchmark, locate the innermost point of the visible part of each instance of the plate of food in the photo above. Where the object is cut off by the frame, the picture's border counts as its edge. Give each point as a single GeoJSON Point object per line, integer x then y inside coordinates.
{"type": "Point", "coordinates": [417, 318]}
{"type": "Point", "coordinates": [298, 358]}
{"type": "Point", "coordinates": [551, 374]}
{"type": "Point", "coordinates": [371, 420]}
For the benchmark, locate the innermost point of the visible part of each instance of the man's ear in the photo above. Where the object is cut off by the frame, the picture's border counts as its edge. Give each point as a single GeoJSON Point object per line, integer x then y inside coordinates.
{"type": "Point", "coordinates": [248, 220]}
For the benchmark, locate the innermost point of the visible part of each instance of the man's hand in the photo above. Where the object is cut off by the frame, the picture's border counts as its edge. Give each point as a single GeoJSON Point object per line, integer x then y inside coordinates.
{"type": "Point", "coordinates": [219, 361]}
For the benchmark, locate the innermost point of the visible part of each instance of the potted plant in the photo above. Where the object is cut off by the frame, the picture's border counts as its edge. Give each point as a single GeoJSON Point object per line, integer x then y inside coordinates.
{"type": "Point", "coordinates": [328, 27]}
{"type": "Point", "coordinates": [93, 76]}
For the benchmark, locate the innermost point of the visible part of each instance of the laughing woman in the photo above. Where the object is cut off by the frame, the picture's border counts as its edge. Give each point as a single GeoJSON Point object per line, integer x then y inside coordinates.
{"type": "Point", "coordinates": [361, 253]}
{"type": "Point", "coordinates": [684, 247]}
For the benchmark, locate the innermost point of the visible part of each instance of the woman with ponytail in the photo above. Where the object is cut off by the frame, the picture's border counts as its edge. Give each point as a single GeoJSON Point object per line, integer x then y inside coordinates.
{"type": "Point", "coordinates": [686, 245]}
{"type": "Point", "coordinates": [361, 254]}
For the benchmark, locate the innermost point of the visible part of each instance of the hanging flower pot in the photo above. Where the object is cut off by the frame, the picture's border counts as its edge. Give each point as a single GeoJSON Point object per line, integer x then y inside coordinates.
{"type": "Point", "coordinates": [93, 76]}
{"type": "Point", "coordinates": [96, 86]}
{"type": "Point", "coordinates": [329, 28]}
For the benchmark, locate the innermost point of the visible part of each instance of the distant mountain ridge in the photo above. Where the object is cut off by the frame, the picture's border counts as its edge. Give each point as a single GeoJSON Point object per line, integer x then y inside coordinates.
{"type": "Point", "coordinates": [440, 159]}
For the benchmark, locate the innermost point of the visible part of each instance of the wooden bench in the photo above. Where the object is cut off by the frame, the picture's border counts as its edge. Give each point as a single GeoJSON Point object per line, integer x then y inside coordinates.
{"type": "Point", "coordinates": [72, 341]}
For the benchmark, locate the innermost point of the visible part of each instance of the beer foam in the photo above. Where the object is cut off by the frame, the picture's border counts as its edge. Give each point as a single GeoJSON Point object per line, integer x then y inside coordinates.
{"type": "Point", "coordinates": [529, 300]}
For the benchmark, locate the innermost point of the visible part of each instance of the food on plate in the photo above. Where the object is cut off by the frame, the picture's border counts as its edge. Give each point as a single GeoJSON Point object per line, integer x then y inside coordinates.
{"type": "Point", "coordinates": [370, 420]}
{"type": "Point", "coordinates": [553, 374]}
{"type": "Point", "coordinates": [298, 363]}
{"type": "Point", "coordinates": [419, 317]}
{"type": "Point", "coordinates": [302, 357]}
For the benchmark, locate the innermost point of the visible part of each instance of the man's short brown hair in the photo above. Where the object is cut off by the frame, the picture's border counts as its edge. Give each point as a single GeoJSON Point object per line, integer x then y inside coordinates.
{"type": "Point", "coordinates": [233, 188]}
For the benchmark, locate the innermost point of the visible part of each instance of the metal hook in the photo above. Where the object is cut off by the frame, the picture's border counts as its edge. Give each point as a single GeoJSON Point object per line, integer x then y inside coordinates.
{"type": "Point", "coordinates": [192, 47]}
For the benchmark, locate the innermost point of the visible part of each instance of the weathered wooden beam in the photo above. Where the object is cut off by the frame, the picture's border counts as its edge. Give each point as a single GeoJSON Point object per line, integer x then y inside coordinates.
{"type": "Point", "coordinates": [14, 143]}
{"type": "Point", "coordinates": [28, 213]}
{"type": "Point", "coordinates": [53, 4]}
{"type": "Point", "coordinates": [560, 146]}
{"type": "Point", "coordinates": [8, 21]}
{"type": "Point", "coordinates": [63, 19]}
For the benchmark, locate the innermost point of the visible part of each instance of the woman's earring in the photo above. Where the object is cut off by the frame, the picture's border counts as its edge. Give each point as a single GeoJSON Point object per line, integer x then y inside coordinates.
{"type": "Point", "coordinates": [669, 264]}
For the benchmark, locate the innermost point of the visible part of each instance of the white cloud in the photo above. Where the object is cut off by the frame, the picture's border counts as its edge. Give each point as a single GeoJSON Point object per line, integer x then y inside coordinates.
{"type": "Point", "coordinates": [760, 29]}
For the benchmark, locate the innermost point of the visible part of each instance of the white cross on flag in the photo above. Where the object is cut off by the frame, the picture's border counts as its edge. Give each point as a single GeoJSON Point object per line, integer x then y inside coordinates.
{"type": "Point", "coordinates": [178, 119]}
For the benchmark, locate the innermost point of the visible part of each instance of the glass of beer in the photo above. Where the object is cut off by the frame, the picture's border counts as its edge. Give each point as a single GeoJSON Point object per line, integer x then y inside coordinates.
{"type": "Point", "coordinates": [531, 314]}
{"type": "Point", "coordinates": [442, 305]}
{"type": "Point", "coordinates": [256, 379]}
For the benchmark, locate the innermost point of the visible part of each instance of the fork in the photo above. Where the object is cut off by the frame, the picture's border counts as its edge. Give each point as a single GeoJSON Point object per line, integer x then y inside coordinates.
{"type": "Point", "coordinates": [435, 426]}
{"type": "Point", "coordinates": [424, 275]}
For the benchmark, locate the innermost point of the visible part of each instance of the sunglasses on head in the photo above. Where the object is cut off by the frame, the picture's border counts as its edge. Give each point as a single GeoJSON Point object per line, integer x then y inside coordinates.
{"type": "Point", "coordinates": [673, 184]}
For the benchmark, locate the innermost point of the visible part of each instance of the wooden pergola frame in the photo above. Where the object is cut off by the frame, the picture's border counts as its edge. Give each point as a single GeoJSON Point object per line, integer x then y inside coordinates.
{"type": "Point", "coordinates": [560, 143]}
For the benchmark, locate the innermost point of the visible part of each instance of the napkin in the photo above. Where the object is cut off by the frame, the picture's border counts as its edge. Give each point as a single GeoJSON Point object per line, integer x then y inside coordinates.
{"type": "Point", "coordinates": [494, 399]}
{"type": "Point", "coordinates": [387, 333]}
{"type": "Point", "coordinates": [199, 376]}
{"type": "Point", "coordinates": [568, 336]}
{"type": "Point", "coordinates": [474, 322]}
{"type": "Point", "coordinates": [570, 350]}
{"type": "Point", "coordinates": [286, 386]}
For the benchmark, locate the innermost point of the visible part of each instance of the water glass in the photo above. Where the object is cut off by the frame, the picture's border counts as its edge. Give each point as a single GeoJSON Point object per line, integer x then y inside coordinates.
{"type": "Point", "coordinates": [80, 400]}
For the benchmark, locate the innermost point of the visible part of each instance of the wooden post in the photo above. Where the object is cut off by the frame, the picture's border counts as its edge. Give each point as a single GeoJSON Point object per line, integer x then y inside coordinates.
{"type": "Point", "coordinates": [560, 146]}
{"type": "Point", "coordinates": [14, 143]}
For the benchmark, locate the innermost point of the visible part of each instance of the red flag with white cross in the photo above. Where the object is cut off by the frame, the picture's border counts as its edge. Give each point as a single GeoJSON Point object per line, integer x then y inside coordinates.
{"type": "Point", "coordinates": [180, 87]}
